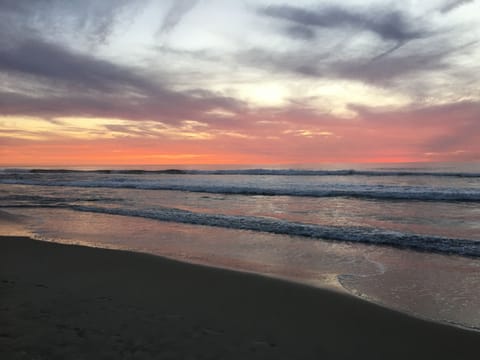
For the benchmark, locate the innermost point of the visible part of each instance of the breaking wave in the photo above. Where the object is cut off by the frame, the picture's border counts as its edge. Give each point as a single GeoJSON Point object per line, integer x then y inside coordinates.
{"type": "Point", "coordinates": [385, 192]}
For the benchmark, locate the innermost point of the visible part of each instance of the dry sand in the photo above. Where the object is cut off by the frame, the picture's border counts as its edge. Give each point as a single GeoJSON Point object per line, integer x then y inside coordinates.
{"type": "Point", "coordinates": [72, 302]}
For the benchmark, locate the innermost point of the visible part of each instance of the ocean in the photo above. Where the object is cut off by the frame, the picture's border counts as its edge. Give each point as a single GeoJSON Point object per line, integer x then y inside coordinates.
{"type": "Point", "coordinates": [406, 236]}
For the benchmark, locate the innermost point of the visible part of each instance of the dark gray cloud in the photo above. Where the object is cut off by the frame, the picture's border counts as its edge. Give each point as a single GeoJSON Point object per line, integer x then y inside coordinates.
{"type": "Point", "coordinates": [92, 21]}
{"type": "Point", "coordinates": [300, 32]}
{"type": "Point", "coordinates": [15, 6]}
{"type": "Point", "coordinates": [45, 76]}
{"type": "Point", "coordinates": [450, 5]}
{"type": "Point", "coordinates": [405, 46]}
{"type": "Point", "coordinates": [388, 24]}
{"type": "Point", "coordinates": [384, 69]}
{"type": "Point", "coordinates": [175, 14]}
{"type": "Point", "coordinates": [167, 107]}
{"type": "Point", "coordinates": [74, 84]}
{"type": "Point", "coordinates": [380, 70]}
{"type": "Point", "coordinates": [52, 62]}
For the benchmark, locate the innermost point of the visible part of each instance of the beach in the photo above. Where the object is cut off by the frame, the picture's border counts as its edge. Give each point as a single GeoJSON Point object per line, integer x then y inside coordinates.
{"type": "Point", "coordinates": [239, 180]}
{"type": "Point", "coordinates": [73, 302]}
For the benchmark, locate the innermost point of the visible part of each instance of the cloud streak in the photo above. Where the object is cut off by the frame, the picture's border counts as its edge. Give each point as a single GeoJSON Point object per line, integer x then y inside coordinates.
{"type": "Point", "coordinates": [451, 5]}
{"type": "Point", "coordinates": [50, 61]}
{"type": "Point", "coordinates": [405, 45]}
{"type": "Point", "coordinates": [387, 24]}
{"type": "Point", "coordinates": [78, 84]}
{"type": "Point", "coordinates": [88, 21]}
{"type": "Point", "coordinates": [175, 14]}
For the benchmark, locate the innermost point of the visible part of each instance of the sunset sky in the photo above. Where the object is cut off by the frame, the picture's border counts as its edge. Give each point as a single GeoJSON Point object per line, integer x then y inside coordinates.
{"type": "Point", "coordinates": [238, 82]}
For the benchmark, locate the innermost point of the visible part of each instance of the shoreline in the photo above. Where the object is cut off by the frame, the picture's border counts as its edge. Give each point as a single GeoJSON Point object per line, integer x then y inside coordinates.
{"type": "Point", "coordinates": [335, 286]}
{"type": "Point", "coordinates": [70, 301]}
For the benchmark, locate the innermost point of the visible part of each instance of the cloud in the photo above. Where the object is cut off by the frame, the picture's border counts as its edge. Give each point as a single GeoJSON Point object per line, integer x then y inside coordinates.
{"type": "Point", "coordinates": [384, 69]}
{"type": "Point", "coordinates": [85, 20]}
{"type": "Point", "coordinates": [451, 5]}
{"type": "Point", "coordinates": [321, 61]}
{"type": "Point", "coordinates": [374, 63]}
{"type": "Point", "coordinates": [76, 84]}
{"type": "Point", "coordinates": [387, 24]}
{"type": "Point", "coordinates": [300, 32]}
{"type": "Point", "coordinates": [48, 61]}
{"type": "Point", "coordinates": [167, 107]}
{"type": "Point", "coordinates": [175, 14]}
{"type": "Point", "coordinates": [380, 70]}
{"type": "Point", "coordinates": [339, 56]}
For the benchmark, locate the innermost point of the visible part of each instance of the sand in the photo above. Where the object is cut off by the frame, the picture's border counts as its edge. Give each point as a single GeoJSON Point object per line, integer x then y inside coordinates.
{"type": "Point", "coordinates": [73, 302]}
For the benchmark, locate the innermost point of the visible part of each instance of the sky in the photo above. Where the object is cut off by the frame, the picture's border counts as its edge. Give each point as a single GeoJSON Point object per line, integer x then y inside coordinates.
{"type": "Point", "coordinates": [119, 82]}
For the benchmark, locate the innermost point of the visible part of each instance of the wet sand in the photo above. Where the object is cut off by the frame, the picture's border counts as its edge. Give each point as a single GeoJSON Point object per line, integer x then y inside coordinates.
{"type": "Point", "coordinates": [73, 302]}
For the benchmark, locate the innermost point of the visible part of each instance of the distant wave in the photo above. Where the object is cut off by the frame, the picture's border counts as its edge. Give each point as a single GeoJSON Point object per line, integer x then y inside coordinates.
{"type": "Point", "coordinates": [381, 192]}
{"type": "Point", "coordinates": [270, 172]}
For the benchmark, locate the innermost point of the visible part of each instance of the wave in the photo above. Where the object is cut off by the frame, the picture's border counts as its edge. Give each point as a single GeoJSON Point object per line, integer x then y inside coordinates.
{"type": "Point", "coordinates": [380, 192]}
{"type": "Point", "coordinates": [39, 200]}
{"type": "Point", "coordinates": [270, 172]}
{"type": "Point", "coordinates": [359, 234]}
{"type": "Point", "coordinates": [345, 172]}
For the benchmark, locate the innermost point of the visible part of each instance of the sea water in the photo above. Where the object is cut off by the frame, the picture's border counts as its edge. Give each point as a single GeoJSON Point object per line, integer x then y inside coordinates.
{"type": "Point", "coordinates": [407, 237]}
